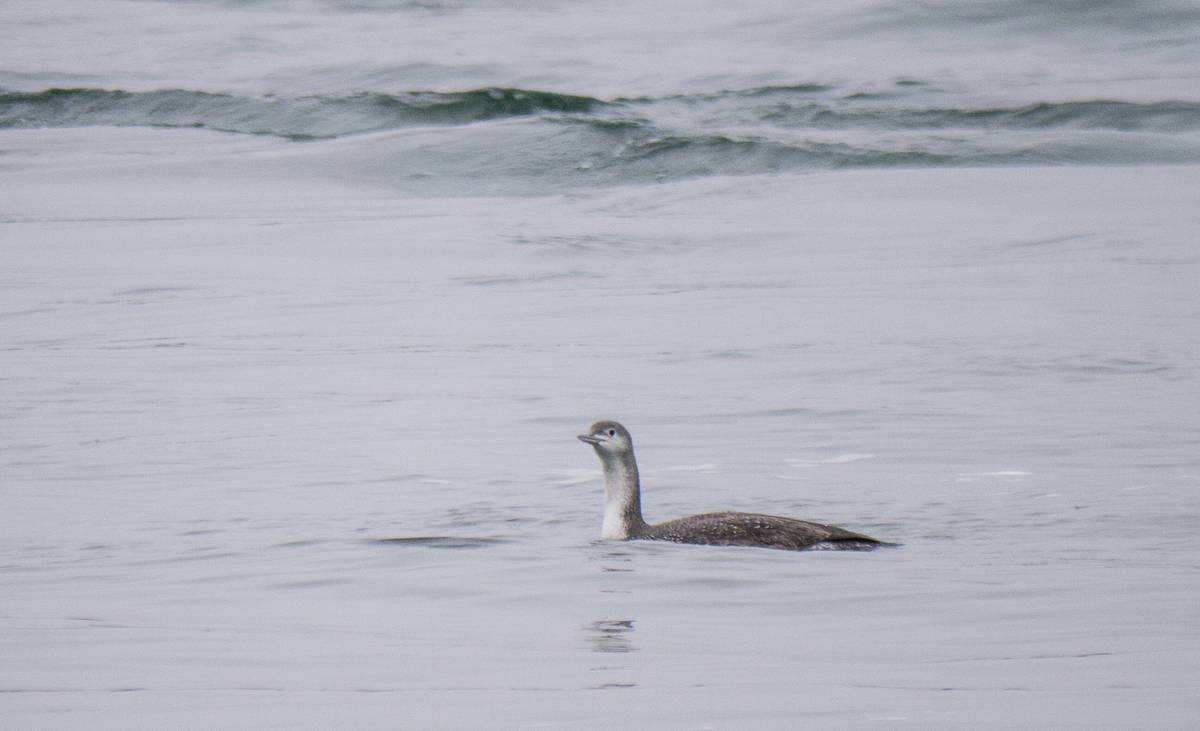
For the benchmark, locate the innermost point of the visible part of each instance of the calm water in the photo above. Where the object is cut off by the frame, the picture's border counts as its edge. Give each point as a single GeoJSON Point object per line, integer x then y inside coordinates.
{"type": "Point", "coordinates": [304, 303]}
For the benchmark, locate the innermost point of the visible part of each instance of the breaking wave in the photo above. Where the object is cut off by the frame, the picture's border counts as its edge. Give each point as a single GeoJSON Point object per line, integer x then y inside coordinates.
{"type": "Point", "coordinates": [537, 139]}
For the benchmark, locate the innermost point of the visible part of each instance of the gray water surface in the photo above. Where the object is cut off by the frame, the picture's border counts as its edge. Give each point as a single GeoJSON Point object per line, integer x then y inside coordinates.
{"type": "Point", "coordinates": [302, 305]}
{"type": "Point", "coordinates": [329, 475]}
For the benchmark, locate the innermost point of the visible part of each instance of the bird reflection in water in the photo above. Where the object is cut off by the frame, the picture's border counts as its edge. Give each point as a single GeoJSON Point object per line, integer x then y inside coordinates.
{"type": "Point", "coordinates": [611, 636]}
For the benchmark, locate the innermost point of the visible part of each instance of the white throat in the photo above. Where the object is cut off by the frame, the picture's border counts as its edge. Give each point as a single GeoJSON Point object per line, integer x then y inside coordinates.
{"type": "Point", "coordinates": [615, 526]}
{"type": "Point", "coordinates": [622, 503]}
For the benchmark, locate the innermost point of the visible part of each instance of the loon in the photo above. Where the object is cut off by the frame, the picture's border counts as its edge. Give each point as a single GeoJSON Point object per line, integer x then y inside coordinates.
{"type": "Point", "coordinates": [623, 510]}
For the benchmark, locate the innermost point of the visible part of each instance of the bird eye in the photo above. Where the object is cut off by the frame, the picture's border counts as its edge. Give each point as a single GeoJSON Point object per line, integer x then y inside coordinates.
{"type": "Point", "coordinates": [612, 432]}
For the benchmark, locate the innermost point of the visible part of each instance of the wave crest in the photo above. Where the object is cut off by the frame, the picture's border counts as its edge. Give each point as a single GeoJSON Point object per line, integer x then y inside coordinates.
{"type": "Point", "coordinates": [499, 139]}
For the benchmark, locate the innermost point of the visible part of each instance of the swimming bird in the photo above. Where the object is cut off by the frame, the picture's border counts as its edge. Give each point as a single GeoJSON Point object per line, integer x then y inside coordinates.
{"type": "Point", "coordinates": [623, 510]}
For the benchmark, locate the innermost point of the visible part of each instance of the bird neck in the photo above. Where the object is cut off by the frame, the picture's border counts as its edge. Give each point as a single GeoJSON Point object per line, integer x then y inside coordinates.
{"type": "Point", "coordinates": [622, 497]}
